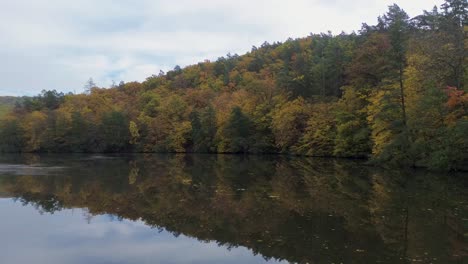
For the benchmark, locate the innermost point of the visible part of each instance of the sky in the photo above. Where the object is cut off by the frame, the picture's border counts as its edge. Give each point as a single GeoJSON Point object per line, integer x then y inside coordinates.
{"type": "Point", "coordinates": [57, 44]}
{"type": "Point", "coordinates": [67, 237]}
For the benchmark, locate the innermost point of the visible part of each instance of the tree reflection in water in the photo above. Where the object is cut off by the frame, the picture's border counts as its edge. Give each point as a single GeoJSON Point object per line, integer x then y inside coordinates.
{"type": "Point", "coordinates": [295, 209]}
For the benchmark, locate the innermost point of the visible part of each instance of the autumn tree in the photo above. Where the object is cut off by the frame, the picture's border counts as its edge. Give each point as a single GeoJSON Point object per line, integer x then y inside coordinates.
{"type": "Point", "coordinates": [289, 123]}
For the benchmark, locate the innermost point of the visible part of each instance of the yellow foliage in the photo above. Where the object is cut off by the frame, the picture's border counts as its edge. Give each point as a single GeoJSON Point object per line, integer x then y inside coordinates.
{"type": "Point", "coordinates": [34, 125]}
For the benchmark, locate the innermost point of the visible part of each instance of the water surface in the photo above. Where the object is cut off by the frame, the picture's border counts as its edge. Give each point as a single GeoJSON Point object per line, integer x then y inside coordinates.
{"type": "Point", "coordinates": [226, 209]}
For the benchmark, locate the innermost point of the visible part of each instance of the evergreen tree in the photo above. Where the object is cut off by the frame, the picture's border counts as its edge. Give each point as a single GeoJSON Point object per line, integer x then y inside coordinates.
{"type": "Point", "coordinates": [236, 133]}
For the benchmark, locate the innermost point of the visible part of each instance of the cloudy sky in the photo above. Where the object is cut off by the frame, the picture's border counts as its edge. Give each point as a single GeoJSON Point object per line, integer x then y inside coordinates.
{"type": "Point", "coordinates": [57, 44]}
{"type": "Point", "coordinates": [66, 237]}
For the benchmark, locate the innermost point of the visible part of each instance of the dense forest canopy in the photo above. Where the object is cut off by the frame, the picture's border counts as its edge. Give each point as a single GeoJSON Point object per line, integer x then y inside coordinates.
{"type": "Point", "coordinates": [394, 92]}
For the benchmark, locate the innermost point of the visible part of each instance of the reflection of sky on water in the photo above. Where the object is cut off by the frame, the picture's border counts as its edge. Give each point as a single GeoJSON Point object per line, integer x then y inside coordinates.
{"type": "Point", "coordinates": [7, 169]}
{"type": "Point", "coordinates": [26, 236]}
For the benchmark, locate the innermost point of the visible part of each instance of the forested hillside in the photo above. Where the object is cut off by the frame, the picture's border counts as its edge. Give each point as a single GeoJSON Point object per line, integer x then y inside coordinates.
{"type": "Point", "coordinates": [6, 104]}
{"type": "Point", "coordinates": [394, 92]}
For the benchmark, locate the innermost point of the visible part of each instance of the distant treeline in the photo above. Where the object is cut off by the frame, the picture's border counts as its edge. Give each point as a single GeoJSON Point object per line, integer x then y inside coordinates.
{"type": "Point", "coordinates": [394, 92]}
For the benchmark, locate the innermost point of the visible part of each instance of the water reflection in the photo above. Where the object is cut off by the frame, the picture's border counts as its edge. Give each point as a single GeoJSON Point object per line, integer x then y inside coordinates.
{"type": "Point", "coordinates": [27, 237]}
{"type": "Point", "coordinates": [283, 209]}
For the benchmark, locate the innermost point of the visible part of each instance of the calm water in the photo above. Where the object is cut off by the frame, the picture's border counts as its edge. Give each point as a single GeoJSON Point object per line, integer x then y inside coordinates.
{"type": "Point", "coordinates": [226, 209]}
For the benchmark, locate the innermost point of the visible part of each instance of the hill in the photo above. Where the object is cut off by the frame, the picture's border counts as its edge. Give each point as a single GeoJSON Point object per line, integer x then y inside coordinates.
{"type": "Point", "coordinates": [6, 104]}
{"type": "Point", "coordinates": [394, 93]}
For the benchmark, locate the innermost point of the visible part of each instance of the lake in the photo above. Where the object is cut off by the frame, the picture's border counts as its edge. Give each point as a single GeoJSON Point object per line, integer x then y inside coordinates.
{"type": "Point", "coordinates": [226, 209]}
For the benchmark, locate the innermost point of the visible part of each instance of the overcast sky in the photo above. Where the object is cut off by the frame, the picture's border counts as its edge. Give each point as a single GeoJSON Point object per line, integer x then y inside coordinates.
{"type": "Point", "coordinates": [59, 44]}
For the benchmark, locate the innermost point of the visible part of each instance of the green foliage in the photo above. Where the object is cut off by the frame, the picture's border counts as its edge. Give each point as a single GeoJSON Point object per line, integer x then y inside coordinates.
{"type": "Point", "coordinates": [352, 131]}
{"type": "Point", "coordinates": [235, 135]}
{"type": "Point", "coordinates": [203, 124]}
{"type": "Point", "coordinates": [46, 100]}
{"type": "Point", "coordinates": [114, 132]}
{"type": "Point", "coordinates": [452, 151]}
{"type": "Point", "coordinates": [78, 135]}
{"type": "Point", "coordinates": [11, 136]}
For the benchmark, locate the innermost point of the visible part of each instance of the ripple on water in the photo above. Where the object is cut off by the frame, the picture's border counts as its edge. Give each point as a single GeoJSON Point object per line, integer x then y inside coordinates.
{"type": "Point", "coordinates": [21, 169]}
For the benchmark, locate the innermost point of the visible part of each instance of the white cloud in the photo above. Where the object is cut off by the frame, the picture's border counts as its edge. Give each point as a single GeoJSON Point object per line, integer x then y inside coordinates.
{"type": "Point", "coordinates": [66, 237]}
{"type": "Point", "coordinates": [57, 44]}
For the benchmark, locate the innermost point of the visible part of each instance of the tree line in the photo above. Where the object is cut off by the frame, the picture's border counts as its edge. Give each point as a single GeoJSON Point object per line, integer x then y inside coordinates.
{"type": "Point", "coordinates": [394, 93]}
